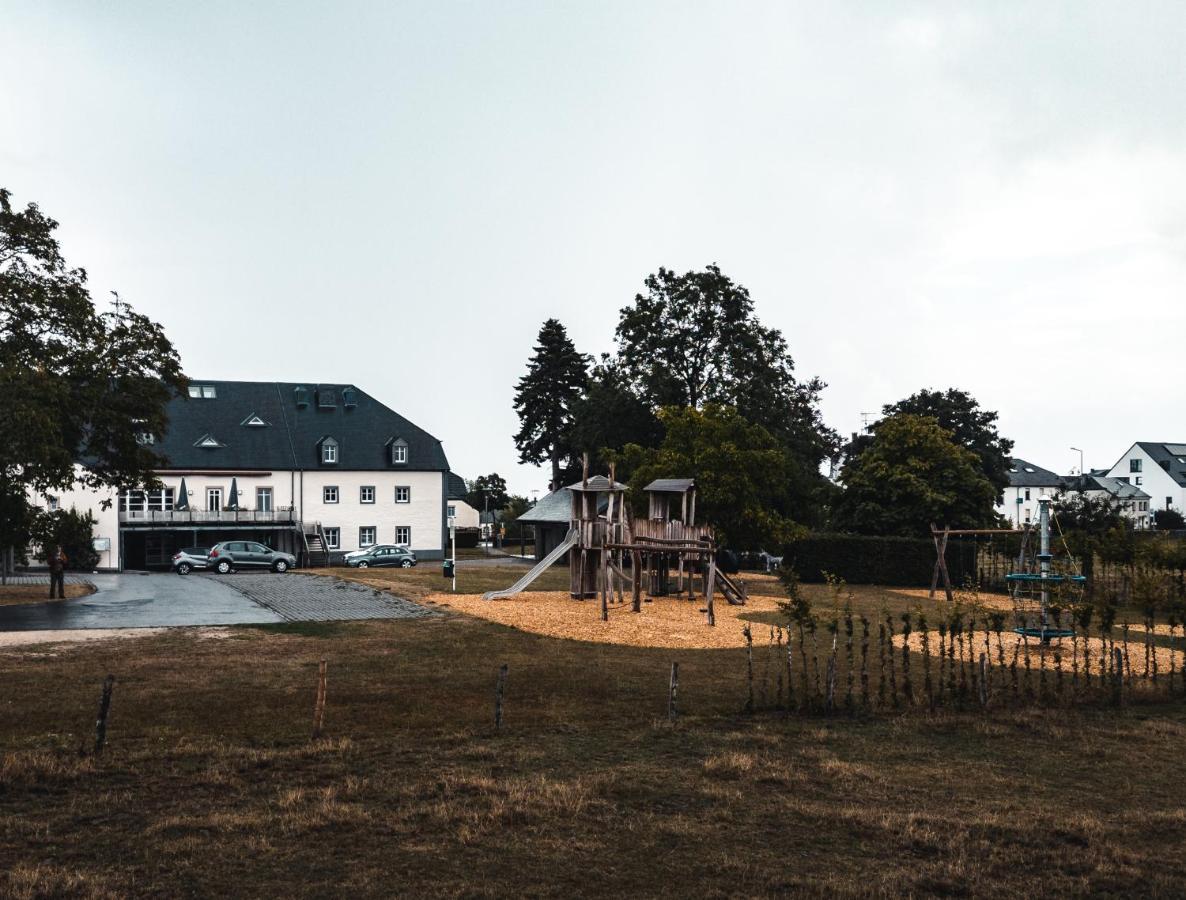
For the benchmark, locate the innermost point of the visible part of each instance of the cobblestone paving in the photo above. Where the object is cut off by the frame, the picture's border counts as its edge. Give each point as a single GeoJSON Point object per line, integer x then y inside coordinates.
{"type": "Point", "coordinates": [36, 578]}
{"type": "Point", "coordinates": [308, 598]}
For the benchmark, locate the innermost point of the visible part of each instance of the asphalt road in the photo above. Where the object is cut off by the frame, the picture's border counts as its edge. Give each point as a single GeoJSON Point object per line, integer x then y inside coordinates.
{"type": "Point", "coordinates": [136, 600]}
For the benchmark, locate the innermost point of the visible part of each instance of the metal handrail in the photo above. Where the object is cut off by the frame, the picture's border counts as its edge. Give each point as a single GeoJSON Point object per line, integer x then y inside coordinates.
{"type": "Point", "coordinates": [285, 514]}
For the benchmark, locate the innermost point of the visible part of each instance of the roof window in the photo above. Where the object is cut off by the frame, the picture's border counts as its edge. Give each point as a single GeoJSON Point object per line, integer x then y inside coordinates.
{"type": "Point", "coordinates": [203, 391]}
{"type": "Point", "coordinates": [302, 396]}
{"type": "Point", "coordinates": [254, 421]}
{"type": "Point", "coordinates": [349, 398]}
{"type": "Point", "coordinates": [207, 440]}
{"type": "Point", "coordinates": [327, 398]}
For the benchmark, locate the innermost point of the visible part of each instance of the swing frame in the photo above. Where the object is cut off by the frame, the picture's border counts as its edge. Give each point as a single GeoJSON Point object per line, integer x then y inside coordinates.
{"type": "Point", "coordinates": [939, 536]}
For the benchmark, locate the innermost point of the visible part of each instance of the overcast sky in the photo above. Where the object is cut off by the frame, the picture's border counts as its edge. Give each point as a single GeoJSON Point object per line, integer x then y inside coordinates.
{"type": "Point", "coordinates": [990, 196]}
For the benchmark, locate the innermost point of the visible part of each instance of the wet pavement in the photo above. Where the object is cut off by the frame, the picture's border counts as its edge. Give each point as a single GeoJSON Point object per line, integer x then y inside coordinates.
{"type": "Point", "coordinates": [142, 600]}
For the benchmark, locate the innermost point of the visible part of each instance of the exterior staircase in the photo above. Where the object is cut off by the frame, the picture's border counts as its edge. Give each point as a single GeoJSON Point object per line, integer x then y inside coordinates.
{"type": "Point", "coordinates": [316, 553]}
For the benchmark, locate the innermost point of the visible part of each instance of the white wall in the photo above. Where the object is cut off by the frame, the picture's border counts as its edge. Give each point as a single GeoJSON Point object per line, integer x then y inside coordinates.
{"type": "Point", "coordinates": [107, 520]}
{"type": "Point", "coordinates": [465, 516]}
{"type": "Point", "coordinates": [1027, 509]}
{"type": "Point", "coordinates": [1152, 479]}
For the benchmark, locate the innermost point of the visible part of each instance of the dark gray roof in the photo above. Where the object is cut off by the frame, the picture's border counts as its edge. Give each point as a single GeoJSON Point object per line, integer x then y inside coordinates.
{"type": "Point", "coordinates": [553, 507]}
{"type": "Point", "coordinates": [1170, 456]}
{"type": "Point", "coordinates": [292, 434]}
{"type": "Point", "coordinates": [671, 485]}
{"type": "Point", "coordinates": [597, 483]}
{"type": "Point", "coordinates": [1026, 474]}
{"type": "Point", "coordinates": [1118, 488]}
{"type": "Point", "coordinates": [457, 488]}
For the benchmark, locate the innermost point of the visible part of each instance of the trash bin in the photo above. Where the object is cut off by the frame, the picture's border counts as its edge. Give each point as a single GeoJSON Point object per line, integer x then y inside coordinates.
{"type": "Point", "coordinates": [447, 568]}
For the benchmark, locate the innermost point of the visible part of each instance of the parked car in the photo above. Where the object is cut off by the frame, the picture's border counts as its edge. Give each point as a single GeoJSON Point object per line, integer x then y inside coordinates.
{"type": "Point", "coordinates": [187, 559]}
{"type": "Point", "coordinates": [382, 555]}
{"type": "Point", "coordinates": [229, 555]}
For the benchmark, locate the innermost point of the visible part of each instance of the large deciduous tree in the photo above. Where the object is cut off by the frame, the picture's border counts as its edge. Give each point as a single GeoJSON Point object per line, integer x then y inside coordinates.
{"type": "Point", "coordinates": [611, 415]}
{"type": "Point", "coordinates": [693, 339]}
{"type": "Point", "coordinates": [970, 426]}
{"type": "Point", "coordinates": [487, 492]}
{"type": "Point", "coordinates": [76, 386]}
{"type": "Point", "coordinates": [910, 474]}
{"type": "Point", "coordinates": [743, 473]}
{"type": "Point", "coordinates": [545, 399]}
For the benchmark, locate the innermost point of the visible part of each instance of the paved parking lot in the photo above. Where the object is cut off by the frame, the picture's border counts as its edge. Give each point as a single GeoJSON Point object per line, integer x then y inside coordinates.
{"type": "Point", "coordinates": [154, 600]}
{"type": "Point", "coordinates": [310, 598]}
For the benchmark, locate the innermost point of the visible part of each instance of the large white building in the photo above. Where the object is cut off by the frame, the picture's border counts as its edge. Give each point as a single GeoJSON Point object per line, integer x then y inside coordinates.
{"type": "Point", "coordinates": [1027, 482]}
{"type": "Point", "coordinates": [1157, 469]}
{"type": "Point", "coordinates": [313, 469]}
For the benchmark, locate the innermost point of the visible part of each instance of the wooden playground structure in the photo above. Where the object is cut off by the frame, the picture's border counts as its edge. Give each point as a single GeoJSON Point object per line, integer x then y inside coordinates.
{"type": "Point", "coordinates": [610, 552]}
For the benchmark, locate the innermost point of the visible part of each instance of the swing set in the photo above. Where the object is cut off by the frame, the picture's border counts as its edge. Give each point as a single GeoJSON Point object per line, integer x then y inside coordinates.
{"type": "Point", "coordinates": [1033, 580]}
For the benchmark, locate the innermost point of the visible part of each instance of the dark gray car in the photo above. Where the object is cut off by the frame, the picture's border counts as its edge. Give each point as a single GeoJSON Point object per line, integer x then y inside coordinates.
{"type": "Point", "coordinates": [230, 555]}
{"type": "Point", "coordinates": [382, 555]}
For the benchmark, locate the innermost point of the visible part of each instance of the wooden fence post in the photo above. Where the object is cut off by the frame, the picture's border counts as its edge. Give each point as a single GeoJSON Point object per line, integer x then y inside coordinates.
{"type": "Point", "coordinates": [710, 583]}
{"type": "Point", "coordinates": [672, 691]}
{"type": "Point", "coordinates": [983, 681]}
{"type": "Point", "coordinates": [319, 704]}
{"type": "Point", "coordinates": [104, 707]}
{"type": "Point", "coordinates": [636, 564]}
{"type": "Point", "coordinates": [1117, 676]}
{"type": "Point", "coordinates": [749, 663]}
{"type": "Point", "coordinates": [499, 689]}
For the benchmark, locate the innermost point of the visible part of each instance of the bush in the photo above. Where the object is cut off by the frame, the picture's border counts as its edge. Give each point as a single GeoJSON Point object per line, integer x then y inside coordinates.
{"type": "Point", "coordinates": [863, 559]}
{"type": "Point", "coordinates": [467, 537]}
{"type": "Point", "coordinates": [73, 532]}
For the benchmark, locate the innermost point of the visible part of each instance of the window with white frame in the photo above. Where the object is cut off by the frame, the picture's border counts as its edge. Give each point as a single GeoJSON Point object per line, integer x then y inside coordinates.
{"type": "Point", "coordinates": [403, 534]}
{"type": "Point", "coordinates": [399, 451]}
{"type": "Point", "coordinates": [366, 536]}
{"type": "Point", "coordinates": [366, 493]}
{"type": "Point", "coordinates": [329, 494]}
{"type": "Point", "coordinates": [403, 494]}
{"type": "Point", "coordinates": [213, 499]}
{"type": "Point", "coordinates": [333, 538]}
{"type": "Point", "coordinates": [52, 503]}
{"type": "Point", "coordinates": [263, 499]}
{"type": "Point", "coordinates": [203, 391]}
{"type": "Point", "coordinates": [451, 511]}
{"type": "Point", "coordinates": [329, 451]}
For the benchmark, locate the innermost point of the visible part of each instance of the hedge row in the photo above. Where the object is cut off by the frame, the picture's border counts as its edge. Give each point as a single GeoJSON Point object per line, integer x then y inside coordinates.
{"type": "Point", "coordinates": [862, 559]}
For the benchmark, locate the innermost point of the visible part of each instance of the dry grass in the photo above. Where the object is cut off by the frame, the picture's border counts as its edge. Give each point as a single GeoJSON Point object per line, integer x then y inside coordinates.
{"type": "Point", "coordinates": [18, 594]}
{"type": "Point", "coordinates": [211, 787]}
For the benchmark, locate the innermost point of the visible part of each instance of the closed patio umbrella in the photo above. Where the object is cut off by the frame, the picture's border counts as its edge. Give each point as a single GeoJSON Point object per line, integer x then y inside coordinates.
{"type": "Point", "coordinates": [181, 502]}
{"type": "Point", "coordinates": [232, 503]}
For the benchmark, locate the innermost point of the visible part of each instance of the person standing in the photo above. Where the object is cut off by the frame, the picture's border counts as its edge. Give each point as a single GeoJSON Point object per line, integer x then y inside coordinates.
{"type": "Point", "coordinates": [56, 560]}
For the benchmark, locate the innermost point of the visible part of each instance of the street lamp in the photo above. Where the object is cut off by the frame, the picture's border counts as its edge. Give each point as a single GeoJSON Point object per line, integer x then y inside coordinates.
{"type": "Point", "coordinates": [1080, 452]}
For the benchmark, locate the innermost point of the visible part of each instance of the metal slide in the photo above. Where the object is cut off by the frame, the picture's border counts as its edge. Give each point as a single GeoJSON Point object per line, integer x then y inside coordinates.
{"type": "Point", "coordinates": [539, 568]}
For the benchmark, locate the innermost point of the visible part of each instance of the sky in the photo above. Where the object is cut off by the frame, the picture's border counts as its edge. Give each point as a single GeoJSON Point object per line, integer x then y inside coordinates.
{"type": "Point", "coordinates": [990, 196]}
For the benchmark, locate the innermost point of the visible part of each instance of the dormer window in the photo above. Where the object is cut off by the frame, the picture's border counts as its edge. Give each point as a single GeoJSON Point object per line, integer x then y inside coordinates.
{"type": "Point", "coordinates": [202, 391]}
{"type": "Point", "coordinates": [329, 452]}
{"type": "Point", "coordinates": [349, 398]}
{"type": "Point", "coordinates": [302, 397]}
{"type": "Point", "coordinates": [207, 440]}
{"type": "Point", "coordinates": [399, 452]}
{"type": "Point", "coordinates": [254, 421]}
{"type": "Point", "coordinates": [327, 398]}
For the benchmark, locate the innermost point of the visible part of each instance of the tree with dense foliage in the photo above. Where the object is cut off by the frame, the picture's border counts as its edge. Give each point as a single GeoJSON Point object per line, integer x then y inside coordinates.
{"type": "Point", "coordinates": [971, 427]}
{"type": "Point", "coordinates": [487, 492]}
{"type": "Point", "coordinates": [611, 415]}
{"type": "Point", "coordinates": [1168, 520]}
{"type": "Point", "coordinates": [76, 385]}
{"type": "Point", "coordinates": [71, 531]}
{"type": "Point", "coordinates": [913, 473]}
{"type": "Point", "coordinates": [742, 473]}
{"type": "Point", "coordinates": [693, 339]}
{"type": "Point", "coordinates": [545, 399]}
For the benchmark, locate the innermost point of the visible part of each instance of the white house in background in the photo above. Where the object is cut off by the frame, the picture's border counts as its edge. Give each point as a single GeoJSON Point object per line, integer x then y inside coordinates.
{"type": "Point", "coordinates": [1130, 500]}
{"type": "Point", "coordinates": [1027, 482]}
{"type": "Point", "coordinates": [306, 468]}
{"type": "Point", "coordinates": [460, 513]}
{"type": "Point", "coordinates": [1157, 469]}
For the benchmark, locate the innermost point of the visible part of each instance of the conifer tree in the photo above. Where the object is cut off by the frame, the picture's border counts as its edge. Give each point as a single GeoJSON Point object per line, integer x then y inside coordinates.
{"type": "Point", "coordinates": [546, 397]}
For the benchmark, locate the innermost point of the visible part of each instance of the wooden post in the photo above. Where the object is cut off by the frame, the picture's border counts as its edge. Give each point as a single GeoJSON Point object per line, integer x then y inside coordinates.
{"type": "Point", "coordinates": [672, 691]}
{"type": "Point", "coordinates": [104, 708]}
{"type": "Point", "coordinates": [983, 681]}
{"type": "Point", "coordinates": [636, 562]}
{"type": "Point", "coordinates": [499, 689]}
{"type": "Point", "coordinates": [1117, 676]}
{"type": "Point", "coordinates": [708, 588]}
{"type": "Point", "coordinates": [749, 665]}
{"type": "Point", "coordinates": [941, 563]}
{"type": "Point", "coordinates": [319, 704]}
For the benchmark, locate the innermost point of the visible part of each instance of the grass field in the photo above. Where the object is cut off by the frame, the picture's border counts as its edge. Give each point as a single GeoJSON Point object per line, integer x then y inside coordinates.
{"type": "Point", "coordinates": [18, 594]}
{"type": "Point", "coordinates": [210, 784]}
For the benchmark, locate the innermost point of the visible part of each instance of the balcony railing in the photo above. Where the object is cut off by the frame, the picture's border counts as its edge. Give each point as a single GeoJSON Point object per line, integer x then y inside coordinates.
{"type": "Point", "coordinates": [281, 515]}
